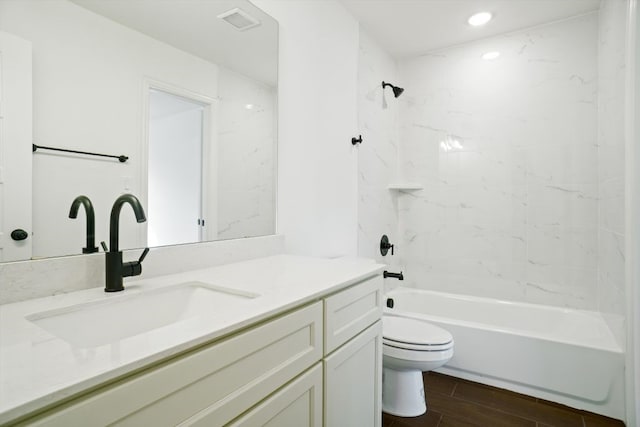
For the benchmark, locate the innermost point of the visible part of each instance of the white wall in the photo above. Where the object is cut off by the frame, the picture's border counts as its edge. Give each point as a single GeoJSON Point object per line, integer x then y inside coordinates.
{"type": "Point", "coordinates": [632, 226]}
{"type": "Point", "coordinates": [246, 152]}
{"type": "Point", "coordinates": [317, 101]}
{"type": "Point", "coordinates": [511, 212]}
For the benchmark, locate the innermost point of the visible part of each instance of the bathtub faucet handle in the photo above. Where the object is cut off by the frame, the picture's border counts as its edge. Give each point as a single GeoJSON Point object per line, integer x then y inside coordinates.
{"type": "Point", "coordinates": [385, 245]}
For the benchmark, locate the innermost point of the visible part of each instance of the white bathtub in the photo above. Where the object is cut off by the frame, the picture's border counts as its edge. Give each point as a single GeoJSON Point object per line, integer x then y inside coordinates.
{"type": "Point", "coordinates": [564, 355]}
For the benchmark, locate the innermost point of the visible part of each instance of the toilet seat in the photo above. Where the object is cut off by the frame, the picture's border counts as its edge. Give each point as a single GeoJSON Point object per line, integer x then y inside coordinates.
{"type": "Point", "coordinates": [425, 348]}
{"type": "Point", "coordinates": [413, 334]}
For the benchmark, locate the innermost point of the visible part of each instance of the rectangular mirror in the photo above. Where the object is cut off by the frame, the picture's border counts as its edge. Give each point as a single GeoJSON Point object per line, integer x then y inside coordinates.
{"type": "Point", "coordinates": [185, 89]}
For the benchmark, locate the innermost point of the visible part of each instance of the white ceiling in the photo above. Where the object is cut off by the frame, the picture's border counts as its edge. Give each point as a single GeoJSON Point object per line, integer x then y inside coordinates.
{"type": "Point", "coordinates": [407, 28]}
{"type": "Point", "coordinates": [193, 26]}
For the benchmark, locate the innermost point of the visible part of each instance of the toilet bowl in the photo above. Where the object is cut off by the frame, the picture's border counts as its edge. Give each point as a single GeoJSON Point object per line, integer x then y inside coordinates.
{"type": "Point", "coordinates": [410, 347]}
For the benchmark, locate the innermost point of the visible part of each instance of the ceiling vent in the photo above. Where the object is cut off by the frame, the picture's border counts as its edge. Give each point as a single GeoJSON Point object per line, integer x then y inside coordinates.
{"type": "Point", "coordinates": [240, 19]}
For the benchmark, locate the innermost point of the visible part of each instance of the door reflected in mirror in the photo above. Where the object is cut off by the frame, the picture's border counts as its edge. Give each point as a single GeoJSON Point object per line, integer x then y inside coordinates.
{"type": "Point", "coordinates": [96, 76]}
{"type": "Point", "coordinates": [176, 146]}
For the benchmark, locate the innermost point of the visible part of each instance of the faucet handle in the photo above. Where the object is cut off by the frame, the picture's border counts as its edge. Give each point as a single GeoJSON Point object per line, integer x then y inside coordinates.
{"type": "Point", "coordinates": [143, 255]}
{"type": "Point", "coordinates": [385, 245]}
{"type": "Point", "coordinates": [104, 246]}
{"type": "Point", "coordinates": [134, 268]}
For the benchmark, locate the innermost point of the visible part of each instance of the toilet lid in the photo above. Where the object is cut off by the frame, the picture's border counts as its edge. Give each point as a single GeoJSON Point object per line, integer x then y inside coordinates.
{"type": "Point", "coordinates": [413, 331]}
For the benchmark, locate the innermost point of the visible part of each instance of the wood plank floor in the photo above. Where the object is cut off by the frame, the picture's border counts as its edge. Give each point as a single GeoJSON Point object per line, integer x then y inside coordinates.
{"type": "Point", "coordinates": [457, 402]}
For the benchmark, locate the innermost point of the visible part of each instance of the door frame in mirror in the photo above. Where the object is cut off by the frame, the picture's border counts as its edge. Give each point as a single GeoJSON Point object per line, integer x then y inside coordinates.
{"type": "Point", "coordinates": [209, 152]}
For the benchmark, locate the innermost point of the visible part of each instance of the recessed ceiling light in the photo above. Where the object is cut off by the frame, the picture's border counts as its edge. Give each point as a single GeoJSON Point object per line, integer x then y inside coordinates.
{"type": "Point", "coordinates": [479, 19]}
{"type": "Point", "coordinates": [490, 55]}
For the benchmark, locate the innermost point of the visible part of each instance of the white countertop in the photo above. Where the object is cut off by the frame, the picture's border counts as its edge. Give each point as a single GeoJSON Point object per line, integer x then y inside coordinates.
{"type": "Point", "coordinates": [38, 368]}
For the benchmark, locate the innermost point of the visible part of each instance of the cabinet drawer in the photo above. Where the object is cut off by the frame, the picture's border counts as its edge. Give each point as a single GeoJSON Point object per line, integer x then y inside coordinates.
{"type": "Point", "coordinates": [349, 312]}
{"type": "Point", "coordinates": [297, 404]}
{"type": "Point", "coordinates": [218, 382]}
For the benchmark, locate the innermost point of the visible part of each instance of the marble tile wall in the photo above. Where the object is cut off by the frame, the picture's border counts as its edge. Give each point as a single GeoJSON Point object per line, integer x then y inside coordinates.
{"type": "Point", "coordinates": [507, 152]}
{"type": "Point", "coordinates": [377, 155]}
{"type": "Point", "coordinates": [611, 152]}
{"type": "Point", "coordinates": [246, 156]}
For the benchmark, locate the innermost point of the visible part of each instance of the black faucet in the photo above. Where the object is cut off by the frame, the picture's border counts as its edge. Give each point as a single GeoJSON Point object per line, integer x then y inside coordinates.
{"type": "Point", "coordinates": [115, 268]}
{"type": "Point", "coordinates": [91, 221]}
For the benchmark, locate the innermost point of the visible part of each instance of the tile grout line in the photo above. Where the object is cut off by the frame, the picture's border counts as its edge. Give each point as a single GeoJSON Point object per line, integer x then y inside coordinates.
{"type": "Point", "coordinates": [500, 410]}
{"type": "Point", "coordinates": [581, 421]}
{"type": "Point", "coordinates": [440, 420]}
{"type": "Point", "coordinates": [508, 411]}
{"type": "Point", "coordinates": [455, 386]}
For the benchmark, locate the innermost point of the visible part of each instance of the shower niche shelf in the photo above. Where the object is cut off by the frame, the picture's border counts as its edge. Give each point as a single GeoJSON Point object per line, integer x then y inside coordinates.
{"type": "Point", "coordinates": [405, 186]}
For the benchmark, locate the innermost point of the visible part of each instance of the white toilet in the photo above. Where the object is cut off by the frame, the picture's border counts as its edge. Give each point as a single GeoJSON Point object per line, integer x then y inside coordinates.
{"type": "Point", "coordinates": [409, 347]}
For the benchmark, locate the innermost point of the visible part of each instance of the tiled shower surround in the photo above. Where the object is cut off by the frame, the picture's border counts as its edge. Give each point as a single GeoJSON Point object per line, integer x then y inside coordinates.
{"type": "Point", "coordinates": [507, 152]}
{"type": "Point", "coordinates": [378, 154]}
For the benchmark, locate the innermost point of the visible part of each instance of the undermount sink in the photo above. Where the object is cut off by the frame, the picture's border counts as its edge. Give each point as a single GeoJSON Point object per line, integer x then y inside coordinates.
{"type": "Point", "coordinates": [103, 322]}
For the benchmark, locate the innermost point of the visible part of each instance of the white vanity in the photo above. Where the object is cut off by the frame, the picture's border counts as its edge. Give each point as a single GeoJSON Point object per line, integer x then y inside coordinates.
{"type": "Point", "coordinates": [297, 343]}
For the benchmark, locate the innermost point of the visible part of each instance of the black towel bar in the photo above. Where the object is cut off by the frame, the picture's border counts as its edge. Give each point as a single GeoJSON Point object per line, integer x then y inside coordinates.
{"type": "Point", "coordinates": [122, 159]}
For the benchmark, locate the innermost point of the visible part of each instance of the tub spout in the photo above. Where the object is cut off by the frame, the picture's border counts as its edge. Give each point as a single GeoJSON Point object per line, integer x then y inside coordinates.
{"type": "Point", "coordinates": [387, 274]}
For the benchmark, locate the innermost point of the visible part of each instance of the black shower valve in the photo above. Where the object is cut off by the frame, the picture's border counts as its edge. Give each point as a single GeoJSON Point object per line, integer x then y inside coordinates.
{"type": "Point", "coordinates": [385, 245]}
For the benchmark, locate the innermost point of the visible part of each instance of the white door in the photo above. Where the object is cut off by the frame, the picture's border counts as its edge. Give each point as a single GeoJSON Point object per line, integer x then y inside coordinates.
{"type": "Point", "coordinates": [175, 169]}
{"type": "Point", "coordinates": [15, 148]}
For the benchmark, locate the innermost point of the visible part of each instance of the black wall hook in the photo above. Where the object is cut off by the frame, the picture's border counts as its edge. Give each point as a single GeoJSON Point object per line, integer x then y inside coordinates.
{"type": "Point", "coordinates": [357, 140]}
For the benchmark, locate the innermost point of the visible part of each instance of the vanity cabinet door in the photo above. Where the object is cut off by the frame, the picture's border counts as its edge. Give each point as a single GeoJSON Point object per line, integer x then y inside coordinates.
{"type": "Point", "coordinates": [353, 381]}
{"type": "Point", "coordinates": [298, 404]}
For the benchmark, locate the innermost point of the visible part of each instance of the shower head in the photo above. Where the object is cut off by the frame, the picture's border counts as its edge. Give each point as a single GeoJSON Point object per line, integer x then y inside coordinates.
{"type": "Point", "coordinates": [397, 91]}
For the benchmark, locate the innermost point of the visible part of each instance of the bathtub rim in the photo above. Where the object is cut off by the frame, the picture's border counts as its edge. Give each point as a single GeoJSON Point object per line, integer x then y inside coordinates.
{"type": "Point", "coordinates": [614, 347]}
